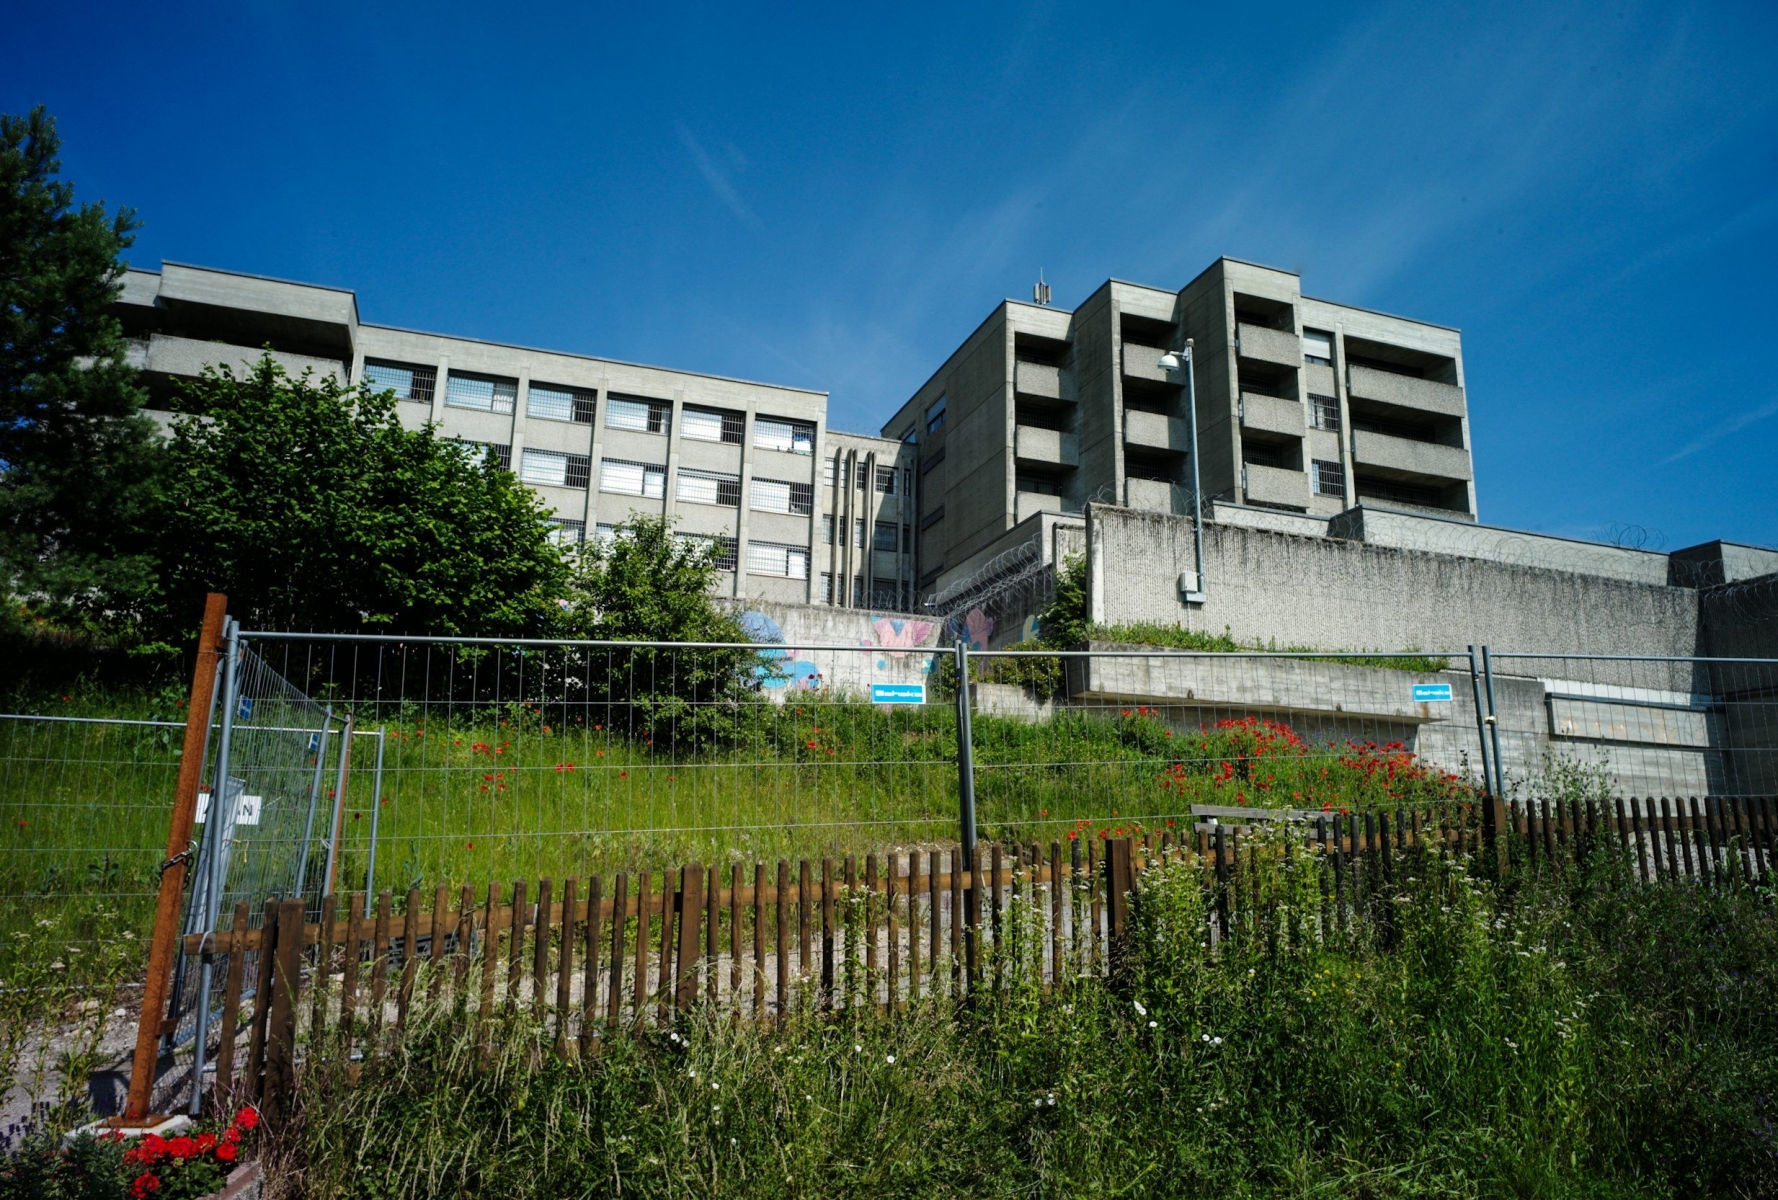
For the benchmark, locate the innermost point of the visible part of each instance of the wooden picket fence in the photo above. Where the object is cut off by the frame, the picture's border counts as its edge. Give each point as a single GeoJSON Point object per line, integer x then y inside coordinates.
{"type": "Point", "coordinates": [634, 951]}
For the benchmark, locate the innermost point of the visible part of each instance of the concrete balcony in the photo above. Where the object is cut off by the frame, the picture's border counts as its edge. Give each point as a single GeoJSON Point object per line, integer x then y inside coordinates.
{"type": "Point", "coordinates": [1367, 383]}
{"type": "Point", "coordinates": [1140, 362]}
{"type": "Point", "coordinates": [1029, 504]}
{"type": "Point", "coordinates": [163, 354]}
{"type": "Point", "coordinates": [1410, 457]}
{"type": "Point", "coordinates": [1051, 447]}
{"type": "Point", "coordinates": [1156, 431]}
{"type": "Point", "coordinates": [1150, 495]}
{"type": "Point", "coordinates": [1038, 379]}
{"type": "Point", "coordinates": [1274, 485]}
{"type": "Point", "coordinates": [1269, 414]}
{"type": "Point", "coordinates": [1269, 345]}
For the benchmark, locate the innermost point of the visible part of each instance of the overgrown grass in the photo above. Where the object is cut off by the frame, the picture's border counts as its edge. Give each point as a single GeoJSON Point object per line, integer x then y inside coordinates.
{"type": "Point", "coordinates": [1172, 637]}
{"type": "Point", "coordinates": [1571, 1037]}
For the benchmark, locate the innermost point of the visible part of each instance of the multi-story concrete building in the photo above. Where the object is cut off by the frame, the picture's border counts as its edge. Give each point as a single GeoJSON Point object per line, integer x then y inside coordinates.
{"type": "Point", "coordinates": [1303, 406]}
{"type": "Point", "coordinates": [792, 505]}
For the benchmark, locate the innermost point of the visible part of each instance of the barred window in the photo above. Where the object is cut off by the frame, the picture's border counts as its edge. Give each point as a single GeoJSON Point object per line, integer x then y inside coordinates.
{"type": "Point", "coordinates": [1324, 412]}
{"type": "Point", "coordinates": [1330, 478]}
{"type": "Point", "coordinates": [886, 480]}
{"type": "Point", "coordinates": [858, 533]}
{"type": "Point", "coordinates": [712, 425]}
{"type": "Point", "coordinates": [792, 437]}
{"type": "Point", "coordinates": [827, 587]}
{"type": "Point", "coordinates": [771, 558]}
{"type": "Point", "coordinates": [827, 529]}
{"type": "Point", "coordinates": [838, 471]}
{"type": "Point", "coordinates": [558, 470]}
{"type": "Point", "coordinates": [479, 450]}
{"type": "Point", "coordinates": [725, 550]}
{"type": "Point", "coordinates": [709, 487]}
{"type": "Point", "coordinates": [635, 414]}
{"type": "Point", "coordinates": [413, 383]}
{"type": "Point", "coordinates": [560, 404]}
{"type": "Point", "coordinates": [604, 535]}
{"type": "Point", "coordinates": [485, 393]}
{"type": "Point", "coordinates": [632, 478]}
{"type": "Point", "coordinates": [884, 538]}
{"type": "Point", "coordinates": [783, 496]}
{"type": "Point", "coordinates": [564, 532]}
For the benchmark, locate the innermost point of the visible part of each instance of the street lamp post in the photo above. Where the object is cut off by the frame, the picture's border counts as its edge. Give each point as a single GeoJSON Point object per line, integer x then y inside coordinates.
{"type": "Point", "coordinates": [1171, 362]}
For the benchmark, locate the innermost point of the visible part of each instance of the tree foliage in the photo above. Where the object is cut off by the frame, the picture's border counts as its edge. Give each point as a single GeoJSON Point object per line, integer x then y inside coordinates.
{"type": "Point", "coordinates": [76, 457]}
{"type": "Point", "coordinates": [649, 584]}
{"type": "Point", "coordinates": [311, 505]}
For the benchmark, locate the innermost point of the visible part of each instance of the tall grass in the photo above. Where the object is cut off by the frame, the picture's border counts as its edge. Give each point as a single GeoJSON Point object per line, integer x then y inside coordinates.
{"type": "Point", "coordinates": [1575, 1036]}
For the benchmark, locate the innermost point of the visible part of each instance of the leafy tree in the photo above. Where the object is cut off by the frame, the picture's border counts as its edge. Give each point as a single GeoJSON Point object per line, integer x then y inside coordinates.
{"type": "Point", "coordinates": [1064, 620]}
{"type": "Point", "coordinates": [76, 458]}
{"type": "Point", "coordinates": [649, 584]}
{"type": "Point", "coordinates": [311, 505]}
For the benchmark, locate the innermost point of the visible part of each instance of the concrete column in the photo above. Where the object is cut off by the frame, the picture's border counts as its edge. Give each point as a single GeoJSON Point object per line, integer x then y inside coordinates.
{"type": "Point", "coordinates": [592, 486]}
{"type": "Point", "coordinates": [670, 491]}
{"type": "Point", "coordinates": [520, 408]}
{"type": "Point", "coordinates": [1346, 461]}
{"type": "Point", "coordinates": [438, 388]}
{"type": "Point", "coordinates": [746, 473]}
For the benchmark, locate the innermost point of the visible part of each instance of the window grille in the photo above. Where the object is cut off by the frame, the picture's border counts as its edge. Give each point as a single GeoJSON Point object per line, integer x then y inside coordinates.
{"type": "Point", "coordinates": [724, 550]}
{"type": "Point", "coordinates": [1330, 478]}
{"type": "Point", "coordinates": [484, 393]}
{"type": "Point", "coordinates": [791, 437]}
{"type": "Point", "coordinates": [637, 416]}
{"type": "Point", "coordinates": [407, 382]}
{"type": "Point", "coordinates": [886, 480]}
{"type": "Point", "coordinates": [632, 478]}
{"type": "Point", "coordinates": [559, 404]}
{"type": "Point", "coordinates": [771, 558]}
{"type": "Point", "coordinates": [711, 425]}
{"type": "Point", "coordinates": [709, 487]}
{"type": "Point", "coordinates": [783, 496]}
{"type": "Point", "coordinates": [827, 587]}
{"type": "Point", "coordinates": [827, 529]}
{"type": "Point", "coordinates": [479, 450]}
{"type": "Point", "coordinates": [557, 470]}
{"type": "Point", "coordinates": [564, 532]}
{"type": "Point", "coordinates": [1324, 412]}
{"type": "Point", "coordinates": [885, 536]}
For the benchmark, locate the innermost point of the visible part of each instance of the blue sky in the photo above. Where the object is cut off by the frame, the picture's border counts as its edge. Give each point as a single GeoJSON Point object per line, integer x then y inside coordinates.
{"type": "Point", "coordinates": [834, 197]}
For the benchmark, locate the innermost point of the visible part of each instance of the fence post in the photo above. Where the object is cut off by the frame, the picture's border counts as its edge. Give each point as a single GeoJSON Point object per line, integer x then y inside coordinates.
{"type": "Point", "coordinates": [965, 761]}
{"type": "Point", "coordinates": [172, 881]}
{"type": "Point", "coordinates": [1493, 724]}
{"type": "Point", "coordinates": [280, 1049]}
{"type": "Point", "coordinates": [1120, 879]}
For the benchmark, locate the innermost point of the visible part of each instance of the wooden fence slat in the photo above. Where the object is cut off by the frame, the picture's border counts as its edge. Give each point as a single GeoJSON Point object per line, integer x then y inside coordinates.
{"type": "Point", "coordinates": [869, 925]}
{"type": "Point", "coordinates": [231, 1009]}
{"type": "Point", "coordinates": [410, 961]}
{"type": "Point", "coordinates": [565, 966]}
{"type": "Point", "coordinates": [827, 933]}
{"type": "Point", "coordinates": [262, 1001]}
{"type": "Point", "coordinates": [379, 974]}
{"type": "Point", "coordinates": [440, 919]}
{"type": "Point", "coordinates": [465, 940]}
{"type": "Point", "coordinates": [673, 916]}
{"type": "Point", "coordinates": [805, 920]}
{"type": "Point", "coordinates": [783, 945]}
{"type": "Point", "coordinates": [991, 893]}
{"type": "Point", "coordinates": [590, 997]}
{"type": "Point", "coordinates": [934, 915]}
{"type": "Point", "coordinates": [893, 913]}
{"type": "Point", "coordinates": [958, 909]}
{"type": "Point", "coordinates": [515, 944]}
{"type": "Point", "coordinates": [348, 1028]}
{"type": "Point", "coordinates": [540, 939]}
{"type": "Point", "coordinates": [712, 935]}
{"type": "Point", "coordinates": [490, 960]}
{"type": "Point", "coordinates": [643, 911]}
{"type": "Point", "coordinates": [690, 907]}
{"type": "Point", "coordinates": [759, 940]}
{"type": "Point", "coordinates": [735, 923]}
{"type": "Point", "coordinates": [323, 974]}
{"type": "Point", "coordinates": [916, 885]}
{"type": "Point", "coordinates": [620, 898]}
{"type": "Point", "coordinates": [280, 1038]}
{"type": "Point", "coordinates": [1762, 839]}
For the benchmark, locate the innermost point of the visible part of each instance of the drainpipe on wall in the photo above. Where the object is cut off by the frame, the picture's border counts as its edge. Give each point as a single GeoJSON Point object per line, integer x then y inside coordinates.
{"type": "Point", "coordinates": [1191, 589]}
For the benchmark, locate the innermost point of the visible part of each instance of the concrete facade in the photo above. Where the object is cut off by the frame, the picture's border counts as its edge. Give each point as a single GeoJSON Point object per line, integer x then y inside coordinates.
{"type": "Point", "coordinates": [1303, 406]}
{"type": "Point", "coordinates": [752, 466]}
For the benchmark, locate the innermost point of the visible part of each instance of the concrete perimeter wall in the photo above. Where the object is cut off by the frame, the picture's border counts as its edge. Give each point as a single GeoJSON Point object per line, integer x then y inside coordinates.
{"type": "Point", "coordinates": [1329, 593]}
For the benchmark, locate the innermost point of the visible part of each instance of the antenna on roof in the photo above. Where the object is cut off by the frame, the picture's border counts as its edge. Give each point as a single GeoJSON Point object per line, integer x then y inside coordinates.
{"type": "Point", "coordinates": [1040, 293]}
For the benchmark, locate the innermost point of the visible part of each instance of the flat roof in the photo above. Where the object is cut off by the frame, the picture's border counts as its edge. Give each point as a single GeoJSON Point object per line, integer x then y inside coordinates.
{"type": "Point", "coordinates": [320, 287]}
{"type": "Point", "coordinates": [619, 362]}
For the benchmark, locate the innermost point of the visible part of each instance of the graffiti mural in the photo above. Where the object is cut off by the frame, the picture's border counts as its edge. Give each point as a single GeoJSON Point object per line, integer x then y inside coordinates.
{"type": "Point", "coordinates": [780, 667]}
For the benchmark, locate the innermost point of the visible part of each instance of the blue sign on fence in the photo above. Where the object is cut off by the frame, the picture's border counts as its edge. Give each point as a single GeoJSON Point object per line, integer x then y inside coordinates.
{"type": "Point", "coordinates": [898, 693]}
{"type": "Point", "coordinates": [1432, 693]}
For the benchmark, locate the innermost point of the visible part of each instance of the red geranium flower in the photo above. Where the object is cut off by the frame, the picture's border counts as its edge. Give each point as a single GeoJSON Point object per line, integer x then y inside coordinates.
{"type": "Point", "coordinates": [227, 1152]}
{"type": "Point", "coordinates": [248, 1117]}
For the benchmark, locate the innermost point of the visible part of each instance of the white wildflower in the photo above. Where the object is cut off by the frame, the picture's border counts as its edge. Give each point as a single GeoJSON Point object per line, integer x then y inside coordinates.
{"type": "Point", "coordinates": [1152, 1025]}
{"type": "Point", "coordinates": [1140, 1011]}
{"type": "Point", "coordinates": [890, 1059]}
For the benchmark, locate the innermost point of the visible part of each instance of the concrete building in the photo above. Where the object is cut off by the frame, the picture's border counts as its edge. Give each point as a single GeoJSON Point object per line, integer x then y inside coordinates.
{"type": "Point", "coordinates": [1304, 406]}
{"type": "Point", "coordinates": [792, 505]}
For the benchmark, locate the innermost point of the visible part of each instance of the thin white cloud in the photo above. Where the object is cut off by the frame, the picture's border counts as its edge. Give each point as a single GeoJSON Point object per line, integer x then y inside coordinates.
{"type": "Point", "coordinates": [718, 179]}
{"type": "Point", "coordinates": [1732, 425]}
